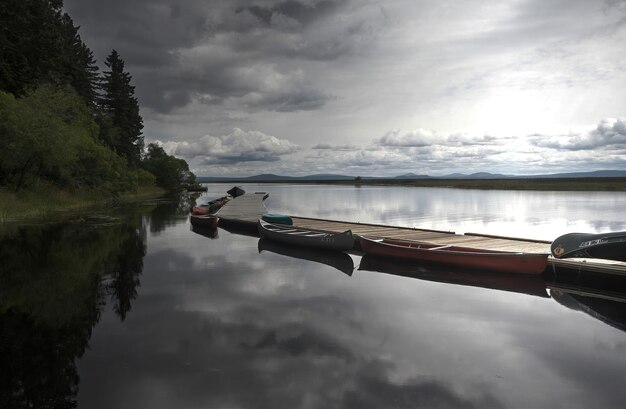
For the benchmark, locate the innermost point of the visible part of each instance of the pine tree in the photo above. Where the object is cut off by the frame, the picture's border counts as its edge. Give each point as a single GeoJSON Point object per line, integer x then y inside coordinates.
{"type": "Point", "coordinates": [29, 38]}
{"type": "Point", "coordinates": [40, 45]}
{"type": "Point", "coordinates": [79, 64]}
{"type": "Point", "coordinates": [121, 123]}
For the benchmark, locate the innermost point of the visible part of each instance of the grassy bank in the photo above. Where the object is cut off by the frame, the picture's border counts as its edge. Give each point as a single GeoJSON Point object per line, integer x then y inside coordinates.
{"type": "Point", "coordinates": [37, 204]}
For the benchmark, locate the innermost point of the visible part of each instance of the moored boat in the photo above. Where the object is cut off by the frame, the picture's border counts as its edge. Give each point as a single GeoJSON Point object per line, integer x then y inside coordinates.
{"type": "Point", "coordinates": [277, 218]}
{"type": "Point", "coordinates": [464, 257]}
{"type": "Point", "coordinates": [207, 220]}
{"type": "Point", "coordinates": [306, 237]}
{"type": "Point", "coordinates": [210, 207]}
{"type": "Point", "coordinates": [200, 210]}
{"type": "Point", "coordinates": [608, 246]}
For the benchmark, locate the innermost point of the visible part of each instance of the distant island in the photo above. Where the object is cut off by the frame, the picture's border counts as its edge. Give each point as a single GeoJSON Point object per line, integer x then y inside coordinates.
{"type": "Point", "coordinates": [600, 180]}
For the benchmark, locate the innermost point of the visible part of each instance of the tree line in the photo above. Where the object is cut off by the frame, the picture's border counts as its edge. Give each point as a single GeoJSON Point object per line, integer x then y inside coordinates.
{"type": "Point", "coordinates": [62, 122]}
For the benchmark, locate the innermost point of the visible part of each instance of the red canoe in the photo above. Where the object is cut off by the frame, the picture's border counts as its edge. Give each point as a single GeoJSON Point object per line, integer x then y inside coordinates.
{"type": "Point", "coordinates": [200, 210]}
{"type": "Point", "coordinates": [465, 257]}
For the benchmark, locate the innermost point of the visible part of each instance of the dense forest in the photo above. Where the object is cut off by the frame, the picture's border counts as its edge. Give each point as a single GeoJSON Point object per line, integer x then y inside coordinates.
{"type": "Point", "coordinates": [64, 124]}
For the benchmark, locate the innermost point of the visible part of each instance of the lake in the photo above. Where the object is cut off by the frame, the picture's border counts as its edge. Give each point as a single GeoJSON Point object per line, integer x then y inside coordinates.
{"type": "Point", "coordinates": [130, 308]}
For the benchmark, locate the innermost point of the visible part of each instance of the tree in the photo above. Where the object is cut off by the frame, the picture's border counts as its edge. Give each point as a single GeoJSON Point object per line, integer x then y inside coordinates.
{"type": "Point", "coordinates": [39, 45]}
{"type": "Point", "coordinates": [171, 173]}
{"type": "Point", "coordinates": [49, 137]}
{"type": "Point", "coordinates": [78, 63]}
{"type": "Point", "coordinates": [120, 121]}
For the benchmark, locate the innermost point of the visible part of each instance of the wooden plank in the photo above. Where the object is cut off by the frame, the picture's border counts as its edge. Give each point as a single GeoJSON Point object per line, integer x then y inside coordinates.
{"type": "Point", "coordinates": [247, 208]}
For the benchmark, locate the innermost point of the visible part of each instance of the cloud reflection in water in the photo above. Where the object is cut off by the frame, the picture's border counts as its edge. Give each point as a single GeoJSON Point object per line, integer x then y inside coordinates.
{"type": "Point", "coordinates": [217, 324]}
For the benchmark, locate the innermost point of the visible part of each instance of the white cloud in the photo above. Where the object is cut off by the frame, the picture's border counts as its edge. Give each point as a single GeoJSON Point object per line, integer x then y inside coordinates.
{"type": "Point", "coordinates": [609, 134]}
{"type": "Point", "coordinates": [236, 147]}
{"type": "Point", "coordinates": [466, 84]}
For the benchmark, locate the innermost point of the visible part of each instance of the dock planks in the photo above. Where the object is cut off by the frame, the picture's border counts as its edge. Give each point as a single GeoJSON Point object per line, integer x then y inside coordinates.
{"type": "Point", "coordinates": [247, 210]}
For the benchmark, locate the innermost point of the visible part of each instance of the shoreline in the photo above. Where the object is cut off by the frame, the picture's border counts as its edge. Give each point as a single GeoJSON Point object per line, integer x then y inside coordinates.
{"type": "Point", "coordinates": [31, 207]}
{"type": "Point", "coordinates": [608, 184]}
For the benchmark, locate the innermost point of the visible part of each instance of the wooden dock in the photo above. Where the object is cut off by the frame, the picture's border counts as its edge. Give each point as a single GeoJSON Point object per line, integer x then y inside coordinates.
{"type": "Point", "coordinates": [246, 210]}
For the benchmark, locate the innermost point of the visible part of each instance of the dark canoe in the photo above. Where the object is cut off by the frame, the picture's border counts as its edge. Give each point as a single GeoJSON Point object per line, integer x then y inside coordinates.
{"type": "Point", "coordinates": [463, 257]}
{"type": "Point", "coordinates": [306, 237]}
{"type": "Point", "coordinates": [333, 258]}
{"type": "Point", "coordinates": [205, 220]}
{"type": "Point", "coordinates": [608, 246]}
{"type": "Point", "coordinates": [531, 284]}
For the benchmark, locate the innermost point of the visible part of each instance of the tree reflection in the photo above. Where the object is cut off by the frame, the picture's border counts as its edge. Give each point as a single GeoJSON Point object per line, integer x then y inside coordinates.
{"type": "Point", "coordinates": [126, 267]}
{"type": "Point", "coordinates": [171, 211]}
{"type": "Point", "coordinates": [54, 281]}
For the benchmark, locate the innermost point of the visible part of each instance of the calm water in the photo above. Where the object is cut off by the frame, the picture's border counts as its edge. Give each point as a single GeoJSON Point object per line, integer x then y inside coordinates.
{"type": "Point", "coordinates": [132, 309]}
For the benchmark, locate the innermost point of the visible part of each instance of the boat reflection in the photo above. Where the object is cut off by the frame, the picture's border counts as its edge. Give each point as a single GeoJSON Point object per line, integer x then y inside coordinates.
{"type": "Point", "coordinates": [206, 231]}
{"type": "Point", "coordinates": [242, 229]}
{"type": "Point", "coordinates": [601, 296]}
{"type": "Point", "coordinates": [530, 284]}
{"type": "Point", "coordinates": [337, 259]}
{"type": "Point", "coordinates": [609, 311]}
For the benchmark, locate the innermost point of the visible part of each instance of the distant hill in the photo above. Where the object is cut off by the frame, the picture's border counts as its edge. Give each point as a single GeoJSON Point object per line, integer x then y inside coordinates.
{"type": "Point", "coordinates": [268, 177]}
{"type": "Point", "coordinates": [479, 175]}
{"type": "Point", "coordinates": [412, 176]}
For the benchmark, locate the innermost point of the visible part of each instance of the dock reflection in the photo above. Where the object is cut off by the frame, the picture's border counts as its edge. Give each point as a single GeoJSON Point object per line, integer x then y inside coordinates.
{"type": "Point", "coordinates": [530, 284]}
{"type": "Point", "coordinates": [337, 259]}
{"type": "Point", "coordinates": [601, 296]}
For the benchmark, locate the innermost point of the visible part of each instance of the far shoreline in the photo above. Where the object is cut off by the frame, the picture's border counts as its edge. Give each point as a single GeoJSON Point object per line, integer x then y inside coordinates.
{"type": "Point", "coordinates": [601, 184]}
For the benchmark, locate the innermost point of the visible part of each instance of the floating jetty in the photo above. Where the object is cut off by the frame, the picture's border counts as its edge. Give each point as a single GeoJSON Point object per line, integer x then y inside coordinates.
{"type": "Point", "coordinates": [244, 211]}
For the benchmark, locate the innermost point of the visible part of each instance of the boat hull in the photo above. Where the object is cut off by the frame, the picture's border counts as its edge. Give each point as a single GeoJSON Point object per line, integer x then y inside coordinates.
{"type": "Point", "coordinates": [306, 237]}
{"type": "Point", "coordinates": [608, 246]}
{"type": "Point", "coordinates": [205, 220]}
{"type": "Point", "coordinates": [463, 257]}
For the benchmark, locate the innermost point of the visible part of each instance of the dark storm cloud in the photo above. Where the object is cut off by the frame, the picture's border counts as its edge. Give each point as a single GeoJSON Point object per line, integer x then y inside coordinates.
{"type": "Point", "coordinates": [247, 54]}
{"type": "Point", "coordinates": [379, 393]}
{"type": "Point", "coordinates": [303, 12]}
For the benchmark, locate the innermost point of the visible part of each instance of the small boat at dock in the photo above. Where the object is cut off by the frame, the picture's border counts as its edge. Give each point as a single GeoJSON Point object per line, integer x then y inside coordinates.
{"type": "Point", "coordinates": [464, 257]}
{"type": "Point", "coordinates": [607, 246]}
{"type": "Point", "coordinates": [205, 220]}
{"type": "Point", "coordinates": [306, 237]}
{"type": "Point", "coordinates": [210, 207]}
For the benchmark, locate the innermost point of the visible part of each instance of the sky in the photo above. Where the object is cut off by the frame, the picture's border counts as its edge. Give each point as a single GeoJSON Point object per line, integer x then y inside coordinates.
{"type": "Point", "coordinates": [373, 88]}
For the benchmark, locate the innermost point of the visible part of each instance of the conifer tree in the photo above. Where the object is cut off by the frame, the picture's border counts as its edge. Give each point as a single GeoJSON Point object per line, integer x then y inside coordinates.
{"type": "Point", "coordinates": [79, 63]}
{"type": "Point", "coordinates": [121, 123]}
{"type": "Point", "coordinates": [40, 45]}
{"type": "Point", "coordinates": [29, 38]}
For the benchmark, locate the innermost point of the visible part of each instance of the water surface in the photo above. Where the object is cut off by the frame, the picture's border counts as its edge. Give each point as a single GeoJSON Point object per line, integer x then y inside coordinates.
{"type": "Point", "coordinates": [132, 309]}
